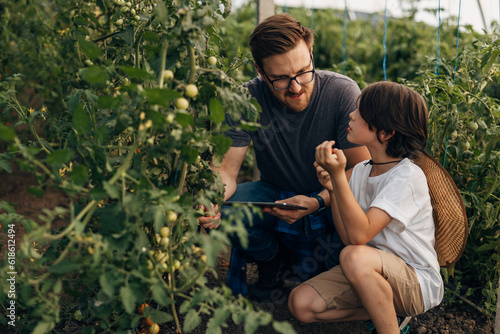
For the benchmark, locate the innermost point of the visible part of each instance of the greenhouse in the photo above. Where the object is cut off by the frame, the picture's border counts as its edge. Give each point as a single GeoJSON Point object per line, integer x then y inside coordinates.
{"type": "Point", "coordinates": [229, 166]}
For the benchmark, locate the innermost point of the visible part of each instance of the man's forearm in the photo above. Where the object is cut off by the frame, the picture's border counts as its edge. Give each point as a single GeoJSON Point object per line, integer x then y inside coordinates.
{"type": "Point", "coordinates": [228, 181]}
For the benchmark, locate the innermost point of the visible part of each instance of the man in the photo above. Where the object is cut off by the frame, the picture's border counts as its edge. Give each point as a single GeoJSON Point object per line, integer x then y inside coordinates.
{"type": "Point", "coordinates": [301, 108]}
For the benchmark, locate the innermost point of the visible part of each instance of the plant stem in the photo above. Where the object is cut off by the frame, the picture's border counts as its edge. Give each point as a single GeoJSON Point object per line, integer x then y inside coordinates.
{"type": "Point", "coordinates": [468, 302]}
{"type": "Point", "coordinates": [171, 284]}
{"type": "Point", "coordinates": [163, 60]}
{"type": "Point", "coordinates": [183, 177]}
{"type": "Point", "coordinates": [192, 64]}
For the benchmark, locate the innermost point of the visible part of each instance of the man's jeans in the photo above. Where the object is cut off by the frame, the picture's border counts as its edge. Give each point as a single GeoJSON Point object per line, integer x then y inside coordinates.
{"type": "Point", "coordinates": [309, 248]}
{"type": "Point", "coordinates": [262, 241]}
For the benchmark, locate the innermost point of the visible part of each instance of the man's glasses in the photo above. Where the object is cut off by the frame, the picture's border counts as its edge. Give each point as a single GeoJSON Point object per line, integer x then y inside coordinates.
{"type": "Point", "coordinates": [302, 79]}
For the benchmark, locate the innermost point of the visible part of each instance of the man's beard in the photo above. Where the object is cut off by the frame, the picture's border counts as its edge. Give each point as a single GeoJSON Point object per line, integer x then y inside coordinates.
{"type": "Point", "coordinates": [295, 106]}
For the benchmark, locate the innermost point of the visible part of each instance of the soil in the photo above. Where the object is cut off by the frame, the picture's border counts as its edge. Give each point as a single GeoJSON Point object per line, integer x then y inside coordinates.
{"type": "Point", "coordinates": [448, 318]}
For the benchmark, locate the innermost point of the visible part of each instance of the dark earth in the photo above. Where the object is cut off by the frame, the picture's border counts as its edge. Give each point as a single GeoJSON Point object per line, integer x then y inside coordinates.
{"type": "Point", "coordinates": [448, 318]}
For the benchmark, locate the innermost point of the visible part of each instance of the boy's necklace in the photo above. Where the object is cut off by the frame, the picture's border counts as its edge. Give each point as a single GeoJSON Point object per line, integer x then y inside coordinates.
{"type": "Point", "coordinates": [370, 162]}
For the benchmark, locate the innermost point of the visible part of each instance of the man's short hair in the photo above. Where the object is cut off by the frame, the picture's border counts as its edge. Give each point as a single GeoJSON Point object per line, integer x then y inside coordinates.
{"type": "Point", "coordinates": [278, 34]}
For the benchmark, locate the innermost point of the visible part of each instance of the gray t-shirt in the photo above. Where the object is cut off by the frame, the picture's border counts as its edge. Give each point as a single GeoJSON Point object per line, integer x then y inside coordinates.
{"type": "Point", "coordinates": [285, 146]}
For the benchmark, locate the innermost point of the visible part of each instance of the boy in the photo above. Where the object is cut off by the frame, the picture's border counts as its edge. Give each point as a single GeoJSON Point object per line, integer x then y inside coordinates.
{"type": "Point", "coordinates": [383, 214]}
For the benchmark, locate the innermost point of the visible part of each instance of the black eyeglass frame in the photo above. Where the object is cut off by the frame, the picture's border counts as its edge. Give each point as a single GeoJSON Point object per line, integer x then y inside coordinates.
{"type": "Point", "coordinates": [313, 71]}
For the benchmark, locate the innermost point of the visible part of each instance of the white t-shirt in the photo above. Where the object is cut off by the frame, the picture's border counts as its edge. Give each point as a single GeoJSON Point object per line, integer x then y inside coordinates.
{"type": "Point", "coordinates": [403, 194]}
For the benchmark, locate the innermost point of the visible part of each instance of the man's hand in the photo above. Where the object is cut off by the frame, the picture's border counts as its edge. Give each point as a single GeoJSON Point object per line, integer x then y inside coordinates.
{"type": "Point", "coordinates": [291, 216]}
{"type": "Point", "coordinates": [212, 217]}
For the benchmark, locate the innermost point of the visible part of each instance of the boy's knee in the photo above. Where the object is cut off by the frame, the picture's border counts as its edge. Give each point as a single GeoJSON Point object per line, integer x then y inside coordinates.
{"type": "Point", "coordinates": [350, 254]}
{"type": "Point", "coordinates": [301, 303]}
{"type": "Point", "coordinates": [353, 260]}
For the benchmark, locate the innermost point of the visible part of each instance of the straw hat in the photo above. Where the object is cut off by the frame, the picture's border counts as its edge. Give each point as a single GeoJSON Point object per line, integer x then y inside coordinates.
{"type": "Point", "coordinates": [449, 213]}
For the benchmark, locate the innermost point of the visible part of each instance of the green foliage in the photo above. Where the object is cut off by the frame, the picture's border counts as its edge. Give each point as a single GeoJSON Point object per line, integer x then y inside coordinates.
{"type": "Point", "coordinates": [113, 127]}
{"type": "Point", "coordinates": [409, 44]}
{"type": "Point", "coordinates": [464, 134]}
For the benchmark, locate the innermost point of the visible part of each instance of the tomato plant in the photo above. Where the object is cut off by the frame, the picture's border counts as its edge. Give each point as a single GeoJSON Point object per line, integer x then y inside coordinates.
{"type": "Point", "coordinates": [109, 131]}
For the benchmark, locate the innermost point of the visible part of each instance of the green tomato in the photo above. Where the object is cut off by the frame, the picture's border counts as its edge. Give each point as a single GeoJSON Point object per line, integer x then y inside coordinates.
{"type": "Point", "coordinates": [191, 90]}
{"type": "Point", "coordinates": [168, 75]}
{"type": "Point", "coordinates": [164, 241]}
{"type": "Point", "coordinates": [172, 216]}
{"type": "Point", "coordinates": [182, 103]}
{"type": "Point", "coordinates": [165, 231]}
{"type": "Point", "coordinates": [170, 118]}
{"type": "Point", "coordinates": [465, 145]}
{"type": "Point", "coordinates": [212, 60]}
{"type": "Point", "coordinates": [473, 126]}
{"type": "Point", "coordinates": [482, 124]}
{"type": "Point", "coordinates": [454, 135]}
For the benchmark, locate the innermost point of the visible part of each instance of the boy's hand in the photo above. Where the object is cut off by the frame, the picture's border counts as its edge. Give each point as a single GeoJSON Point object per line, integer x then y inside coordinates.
{"type": "Point", "coordinates": [332, 160]}
{"type": "Point", "coordinates": [323, 177]}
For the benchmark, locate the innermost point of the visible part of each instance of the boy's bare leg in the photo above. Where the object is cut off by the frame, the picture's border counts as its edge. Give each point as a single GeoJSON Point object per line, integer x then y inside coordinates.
{"type": "Point", "coordinates": [362, 267]}
{"type": "Point", "coordinates": [307, 305]}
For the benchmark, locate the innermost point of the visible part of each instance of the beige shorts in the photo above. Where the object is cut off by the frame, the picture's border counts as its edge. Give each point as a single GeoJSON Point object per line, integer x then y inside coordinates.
{"type": "Point", "coordinates": [334, 288]}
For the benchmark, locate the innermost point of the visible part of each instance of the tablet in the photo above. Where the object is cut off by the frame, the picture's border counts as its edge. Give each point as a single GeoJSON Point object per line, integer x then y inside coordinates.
{"type": "Point", "coordinates": [283, 206]}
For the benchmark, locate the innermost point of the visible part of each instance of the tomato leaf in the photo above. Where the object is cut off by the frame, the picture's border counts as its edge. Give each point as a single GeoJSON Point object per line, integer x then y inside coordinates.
{"type": "Point", "coordinates": [159, 295]}
{"type": "Point", "coordinates": [216, 110]}
{"type": "Point", "coordinates": [64, 267]}
{"type": "Point", "coordinates": [283, 327]}
{"type": "Point", "coordinates": [89, 48]}
{"type": "Point", "coordinates": [81, 120]}
{"type": "Point", "coordinates": [184, 119]}
{"type": "Point", "coordinates": [222, 143]}
{"type": "Point", "coordinates": [37, 191]}
{"type": "Point", "coordinates": [105, 280]}
{"type": "Point", "coordinates": [189, 153]}
{"type": "Point", "coordinates": [59, 158]}
{"type": "Point", "coordinates": [128, 298]}
{"type": "Point", "coordinates": [157, 316]}
{"type": "Point", "coordinates": [220, 316]}
{"type": "Point", "coordinates": [94, 74]}
{"type": "Point", "coordinates": [159, 218]}
{"type": "Point", "coordinates": [161, 96]}
{"type": "Point", "coordinates": [106, 102]}
{"type": "Point", "coordinates": [7, 133]}
{"type": "Point", "coordinates": [43, 327]}
{"type": "Point", "coordinates": [150, 36]}
{"type": "Point", "coordinates": [79, 174]}
{"type": "Point", "coordinates": [135, 73]}
{"type": "Point", "coordinates": [4, 165]}
{"type": "Point", "coordinates": [191, 321]}
{"type": "Point", "coordinates": [111, 190]}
